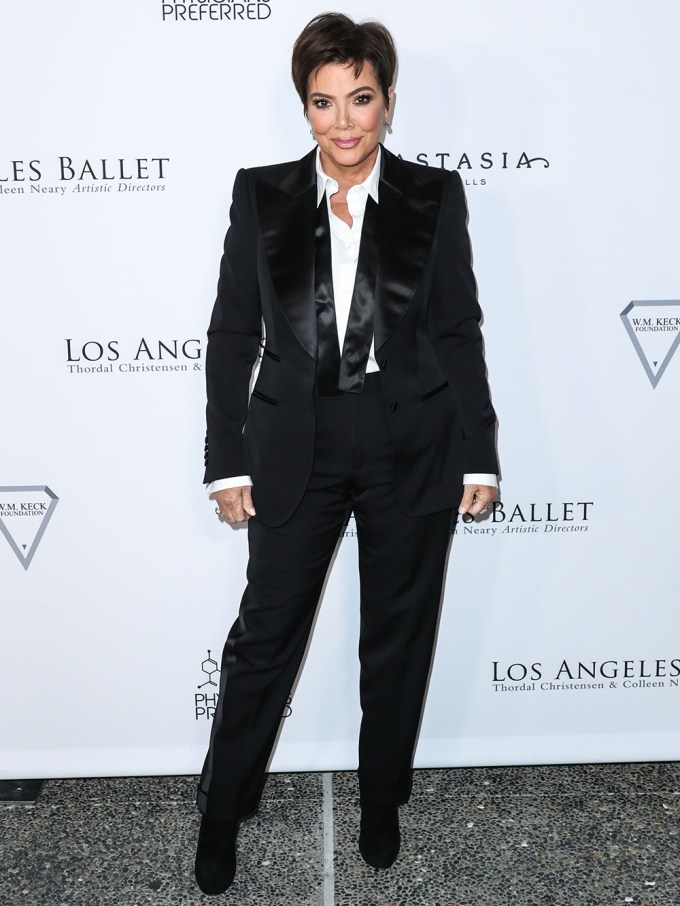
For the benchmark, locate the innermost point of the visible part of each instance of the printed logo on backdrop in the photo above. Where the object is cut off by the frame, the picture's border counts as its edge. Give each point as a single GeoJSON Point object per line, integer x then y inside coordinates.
{"type": "Point", "coordinates": [550, 518]}
{"type": "Point", "coordinates": [349, 529]}
{"type": "Point", "coordinates": [205, 700]}
{"type": "Point", "coordinates": [570, 675]}
{"type": "Point", "coordinates": [213, 11]}
{"type": "Point", "coordinates": [210, 668]}
{"type": "Point", "coordinates": [71, 175]}
{"type": "Point", "coordinates": [476, 167]}
{"type": "Point", "coordinates": [654, 329]}
{"type": "Point", "coordinates": [145, 355]}
{"type": "Point", "coordinates": [25, 512]}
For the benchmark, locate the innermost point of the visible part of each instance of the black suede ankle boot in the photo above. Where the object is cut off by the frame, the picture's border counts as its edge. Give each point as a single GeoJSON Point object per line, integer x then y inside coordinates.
{"type": "Point", "coordinates": [379, 838]}
{"type": "Point", "coordinates": [216, 855]}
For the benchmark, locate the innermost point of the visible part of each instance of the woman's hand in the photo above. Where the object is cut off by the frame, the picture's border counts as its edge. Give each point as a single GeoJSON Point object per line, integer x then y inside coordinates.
{"type": "Point", "coordinates": [235, 504]}
{"type": "Point", "coordinates": [476, 497]}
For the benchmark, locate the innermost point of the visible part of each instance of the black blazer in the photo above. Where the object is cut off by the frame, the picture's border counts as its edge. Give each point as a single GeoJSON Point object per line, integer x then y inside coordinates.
{"type": "Point", "coordinates": [427, 338]}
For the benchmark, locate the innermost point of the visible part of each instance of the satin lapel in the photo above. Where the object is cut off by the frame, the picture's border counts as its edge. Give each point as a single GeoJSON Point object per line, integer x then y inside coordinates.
{"type": "Point", "coordinates": [287, 214]}
{"type": "Point", "coordinates": [407, 219]}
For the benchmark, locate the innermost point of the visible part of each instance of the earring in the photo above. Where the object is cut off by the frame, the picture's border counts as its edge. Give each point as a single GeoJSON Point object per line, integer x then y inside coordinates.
{"type": "Point", "coordinates": [311, 132]}
{"type": "Point", "coordinates": [388, 126]}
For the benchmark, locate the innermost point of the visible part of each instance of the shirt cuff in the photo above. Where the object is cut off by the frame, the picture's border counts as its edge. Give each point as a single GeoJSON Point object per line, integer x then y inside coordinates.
{"type": "Point", "coordinates": [239, 481]}
{"type": "Point", "coordinates": [480, 478]}
{"type": "Point", "coordinates": [222, 484]}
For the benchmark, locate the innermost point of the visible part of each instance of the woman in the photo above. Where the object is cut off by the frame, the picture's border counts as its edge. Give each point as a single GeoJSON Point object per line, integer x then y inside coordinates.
{"type": "Point", "coordinates": [371, 398]}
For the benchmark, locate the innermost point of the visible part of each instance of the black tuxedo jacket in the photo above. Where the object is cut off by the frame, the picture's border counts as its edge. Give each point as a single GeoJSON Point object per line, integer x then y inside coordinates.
{"type": "Point", "coordinates": [427, 338]}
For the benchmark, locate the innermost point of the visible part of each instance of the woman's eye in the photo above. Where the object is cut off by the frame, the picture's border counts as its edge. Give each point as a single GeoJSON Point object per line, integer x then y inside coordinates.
{"type": "Point", "coordinates": [364, 98]}
{"type": "Point", "coordinates": [320, 103]}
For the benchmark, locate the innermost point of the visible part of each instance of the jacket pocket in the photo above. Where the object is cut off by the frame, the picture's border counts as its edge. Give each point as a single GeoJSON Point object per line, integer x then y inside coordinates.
{"type": "Point", "coordinates": [265, 398]}
{"type": "Point", "coordinates": [271, 355]}
{"type": "Point", "coordinates": [431, 393]}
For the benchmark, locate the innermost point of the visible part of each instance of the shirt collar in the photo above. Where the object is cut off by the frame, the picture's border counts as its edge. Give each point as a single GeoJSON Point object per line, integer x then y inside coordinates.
{"type": "Point", "coordinates": [370, 184]}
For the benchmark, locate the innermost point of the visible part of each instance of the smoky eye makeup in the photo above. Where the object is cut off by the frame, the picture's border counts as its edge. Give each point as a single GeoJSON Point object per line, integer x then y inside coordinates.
{"type": "Point", "coordinates": [323, 103]}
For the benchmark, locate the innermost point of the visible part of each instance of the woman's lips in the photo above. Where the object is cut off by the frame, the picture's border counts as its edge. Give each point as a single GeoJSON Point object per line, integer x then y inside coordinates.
{"type": "Point", "coordinates": [346, 142]}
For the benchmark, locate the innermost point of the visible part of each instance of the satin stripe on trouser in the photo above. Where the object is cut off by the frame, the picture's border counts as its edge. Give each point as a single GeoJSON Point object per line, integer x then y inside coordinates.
{"type": "Point", "coordinates": [401, 561]}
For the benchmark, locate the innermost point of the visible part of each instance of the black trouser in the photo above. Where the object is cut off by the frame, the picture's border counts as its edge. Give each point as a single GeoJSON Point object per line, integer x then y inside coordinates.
{"type": "Point", "coordinates": [401, 564]}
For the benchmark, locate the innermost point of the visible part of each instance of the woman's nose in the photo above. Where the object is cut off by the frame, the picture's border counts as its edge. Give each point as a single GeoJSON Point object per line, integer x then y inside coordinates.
{"type": "Point", "coordinates": [343, 120]}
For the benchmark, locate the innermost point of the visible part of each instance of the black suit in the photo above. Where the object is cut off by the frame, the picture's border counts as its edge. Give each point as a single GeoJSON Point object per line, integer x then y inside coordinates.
{"type": "Point", "coordinates": [394, 454]}
{"type": "Point", "coordinates": [427, 338]}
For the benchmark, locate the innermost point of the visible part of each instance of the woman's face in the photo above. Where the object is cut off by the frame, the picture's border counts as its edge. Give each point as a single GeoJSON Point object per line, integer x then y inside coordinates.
{"type": "Point", "coordinates": [347, 113]}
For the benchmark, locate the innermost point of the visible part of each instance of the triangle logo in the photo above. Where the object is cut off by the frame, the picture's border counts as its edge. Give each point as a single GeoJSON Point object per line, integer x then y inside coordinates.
{"type": "Point", "coordinates": [654, 329]}
{"type": "Point", "coordinates": [25, 512]}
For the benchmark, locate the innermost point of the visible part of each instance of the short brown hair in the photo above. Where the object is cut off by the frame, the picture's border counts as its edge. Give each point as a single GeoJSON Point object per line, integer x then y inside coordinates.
{"type": "Point", "coordinates": [335, 38]}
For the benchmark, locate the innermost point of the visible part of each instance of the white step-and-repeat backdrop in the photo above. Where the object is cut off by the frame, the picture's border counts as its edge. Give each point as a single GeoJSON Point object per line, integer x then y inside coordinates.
{"type": "Point", "coordinates": [123, 124]}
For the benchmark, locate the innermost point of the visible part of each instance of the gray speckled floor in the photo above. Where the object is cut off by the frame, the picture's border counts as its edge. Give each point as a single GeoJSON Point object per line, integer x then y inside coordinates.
{"type": "Point", "coordinates": [589, 835]}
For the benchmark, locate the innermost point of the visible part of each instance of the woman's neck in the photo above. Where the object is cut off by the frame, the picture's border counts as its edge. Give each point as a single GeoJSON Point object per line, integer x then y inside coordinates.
{"type": "Point", "coordinates": [346, 177]}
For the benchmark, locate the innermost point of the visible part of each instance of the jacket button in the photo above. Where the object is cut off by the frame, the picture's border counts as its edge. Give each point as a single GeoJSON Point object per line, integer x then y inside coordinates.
{"type": "Point", "coordinates": [383, 364]}
{"type": "Point", "coordinates": [395, 406]}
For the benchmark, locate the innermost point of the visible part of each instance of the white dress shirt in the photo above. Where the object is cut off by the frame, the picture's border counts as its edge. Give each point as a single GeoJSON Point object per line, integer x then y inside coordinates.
{"type": "Point", "coordinates": [345, 241]}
